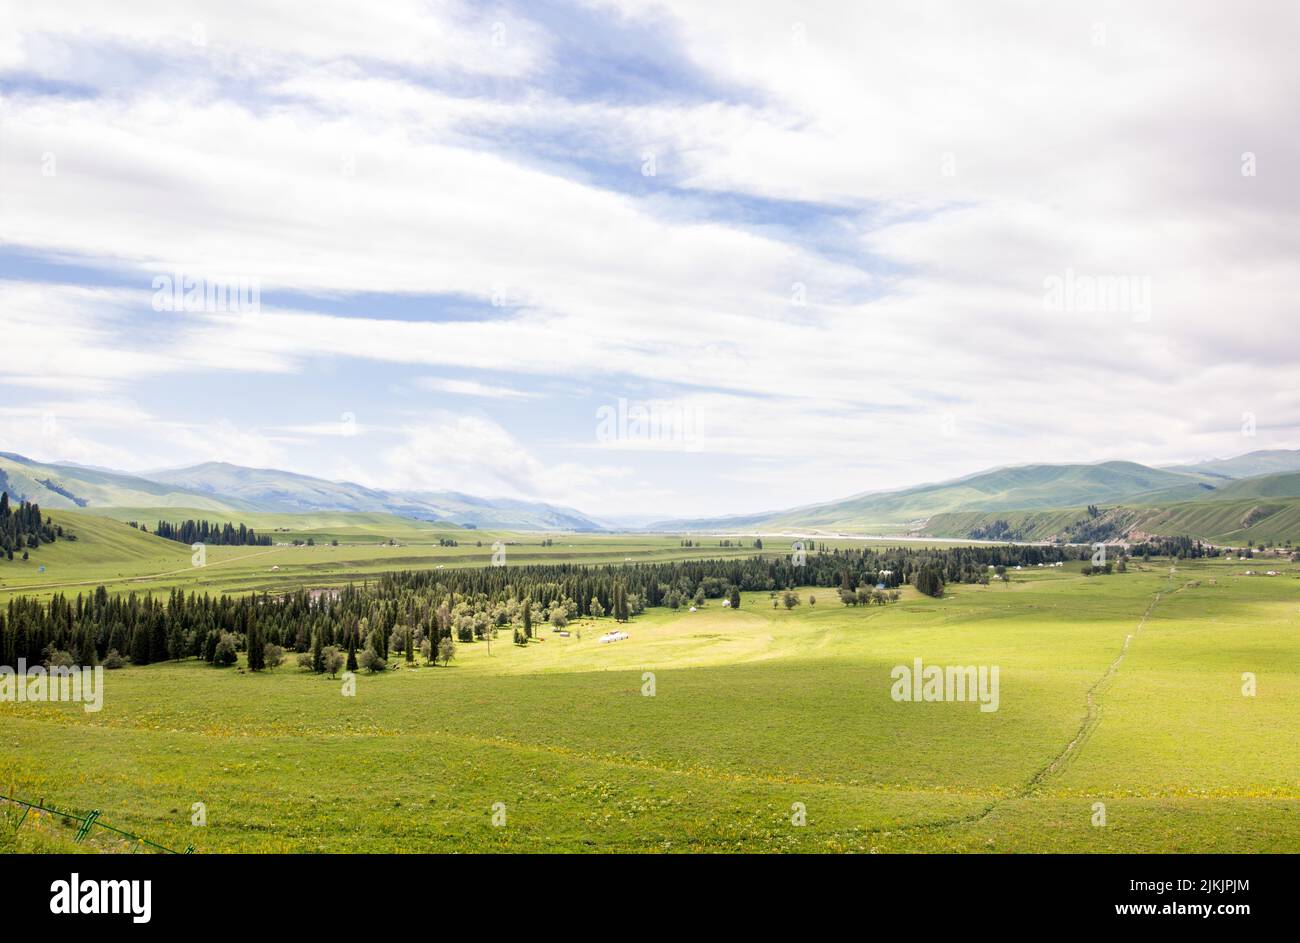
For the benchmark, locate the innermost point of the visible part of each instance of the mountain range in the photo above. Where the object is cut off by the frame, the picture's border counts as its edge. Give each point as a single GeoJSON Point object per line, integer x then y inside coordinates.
{"type": "Point", "coordinates": [1025, 501]}
{"type": "Point", "coordinates": [226, 489]}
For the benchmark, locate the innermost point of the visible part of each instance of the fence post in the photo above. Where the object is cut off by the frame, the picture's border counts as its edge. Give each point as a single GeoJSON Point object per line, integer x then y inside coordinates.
{"type": "Point", "coordinates": [86, 824]}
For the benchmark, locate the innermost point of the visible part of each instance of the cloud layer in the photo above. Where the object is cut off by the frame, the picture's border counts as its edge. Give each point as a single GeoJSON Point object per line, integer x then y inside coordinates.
{"type": "Point", "coordinates": [827, 235]}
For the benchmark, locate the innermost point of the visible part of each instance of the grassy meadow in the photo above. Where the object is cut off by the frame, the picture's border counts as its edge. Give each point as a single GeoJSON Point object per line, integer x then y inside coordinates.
{"type": "Point", "coordinates": [124, 559]}
{"type": "Point", "coordinates": [753, 711]}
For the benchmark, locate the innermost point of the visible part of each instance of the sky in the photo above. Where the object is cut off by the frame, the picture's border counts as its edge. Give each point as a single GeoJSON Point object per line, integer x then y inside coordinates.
{"type": "Point", "coordinates": [655, 259]}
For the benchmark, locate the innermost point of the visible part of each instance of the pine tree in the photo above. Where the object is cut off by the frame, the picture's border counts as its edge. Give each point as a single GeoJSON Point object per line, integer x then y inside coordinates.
{"type": "Point", "coordinates": [317, 652]}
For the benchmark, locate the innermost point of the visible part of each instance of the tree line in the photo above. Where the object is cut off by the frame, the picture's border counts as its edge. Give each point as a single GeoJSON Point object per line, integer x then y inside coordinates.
{"type": "Point", "coordinates": [22, 528]}
{"type": "Point", "coordinates": [207, 532]}
{"type": "Point", "coordinates": [412, 612]}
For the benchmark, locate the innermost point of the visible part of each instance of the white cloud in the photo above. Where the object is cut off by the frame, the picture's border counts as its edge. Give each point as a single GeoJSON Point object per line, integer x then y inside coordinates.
{"type": "Point", "coordinates": [969, 155]}
{"type": "Point", "coordinates": [477, 456]}
{"type": "Point", "coordinates": [472, 388]}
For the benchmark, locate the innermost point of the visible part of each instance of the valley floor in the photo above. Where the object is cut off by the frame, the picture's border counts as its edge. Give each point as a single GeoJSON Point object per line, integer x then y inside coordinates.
{"type": "Point", "coordinates": [756, 715]}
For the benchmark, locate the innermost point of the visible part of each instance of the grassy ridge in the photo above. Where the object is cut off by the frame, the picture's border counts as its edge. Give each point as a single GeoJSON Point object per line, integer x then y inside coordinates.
{"type": "Point", "coordinates": [1221, 520]}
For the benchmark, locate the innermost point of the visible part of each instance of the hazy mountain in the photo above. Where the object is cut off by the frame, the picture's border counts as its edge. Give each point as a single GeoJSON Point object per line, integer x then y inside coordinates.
{"type": "Point", "coordinates": [1019, 487]}
{"type": "Point", "coordinates": [1264, 462]}
{"type": "Point", "coordinates": [220, 486]}
{"type": "Point", "coordinates": [268, 489]}
{"type": "Point", "coordinates": [227, 488]}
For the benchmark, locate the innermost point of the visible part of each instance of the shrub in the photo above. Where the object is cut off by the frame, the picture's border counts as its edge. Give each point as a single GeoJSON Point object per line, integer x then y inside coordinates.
{"type": "Point", "coordinates": [333, 659]}
{"type": "Point", "coordinates": [58, 658]}
{"type": "Point", "coordinates": [225, 654]}
{"type": "Point", "coordinates": [272, 656]}
{"type": "Point", "coordinates": [114, 659]}
{"type": "Point", "coordinates": [371, 661]}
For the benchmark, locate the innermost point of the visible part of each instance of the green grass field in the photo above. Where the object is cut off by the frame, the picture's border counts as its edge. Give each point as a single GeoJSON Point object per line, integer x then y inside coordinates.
{"type": "Point", "coordinates": [754, 710]}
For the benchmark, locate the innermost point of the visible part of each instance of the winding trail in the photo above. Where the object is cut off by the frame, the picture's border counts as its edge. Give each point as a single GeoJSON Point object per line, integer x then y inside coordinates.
{"type": "Point", "coordinates": [1091, 718]}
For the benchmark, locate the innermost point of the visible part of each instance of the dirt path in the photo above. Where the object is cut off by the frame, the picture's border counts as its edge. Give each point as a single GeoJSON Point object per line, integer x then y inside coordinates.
{"type": "Point", "coordinates": [1091, 718]}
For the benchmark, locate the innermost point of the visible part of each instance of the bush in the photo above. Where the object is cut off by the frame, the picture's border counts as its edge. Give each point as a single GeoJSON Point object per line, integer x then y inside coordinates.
{"type": "Point", "coordinates": [272, 656]}
{"type": "Point", "coordinates": [113, 659]}
{"type": "Point", "coordinates": [333, 659]}
{"type": "Point", "coordinates": [370, 661]}
{"type": "Point", "coordinates": [58, 658]}
{"type": "Point", "coordinates": [225, 654]}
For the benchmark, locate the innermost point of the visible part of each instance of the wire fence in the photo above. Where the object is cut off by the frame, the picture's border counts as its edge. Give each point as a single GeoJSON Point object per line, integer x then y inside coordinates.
{"type": "Point", "coordinates": [90, 821]}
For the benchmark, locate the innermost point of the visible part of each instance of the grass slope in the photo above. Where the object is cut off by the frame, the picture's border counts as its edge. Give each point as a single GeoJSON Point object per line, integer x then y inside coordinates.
{"type": "Point", "coordinates": [1020, 488]}
{"type": "Point", "coordinates": [72, 486]}
{"type": "Point", "coordinates": [1221, 520]}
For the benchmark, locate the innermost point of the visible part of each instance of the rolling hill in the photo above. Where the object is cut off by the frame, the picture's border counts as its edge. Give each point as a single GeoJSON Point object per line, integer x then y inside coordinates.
{"type": "Point", "coordinates": [1017, 488]}
{"type": "Point", "coordinates": [1230, 522]}
{"type": "Point", "coordinates": [77, 486]}
{"type": "Point", "coordinates": [1286, 485]}
{"type": "Point", "coordinates": [1250, 465]}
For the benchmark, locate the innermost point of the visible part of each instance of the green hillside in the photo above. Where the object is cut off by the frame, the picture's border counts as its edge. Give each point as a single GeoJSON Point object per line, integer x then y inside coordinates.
{"type": "Point", "coordinates": [1265, 486]}
{"type": "Point", "coordinates": [103, 550]}
{"type": "Point", "coordinates": [72, 486]}
{"type": "Point", "coordinates": [345, 526]}
{"type": "Point", "coordinates": [1218, 521]}
{"type": "Point", "coordinates": [1021, 488]}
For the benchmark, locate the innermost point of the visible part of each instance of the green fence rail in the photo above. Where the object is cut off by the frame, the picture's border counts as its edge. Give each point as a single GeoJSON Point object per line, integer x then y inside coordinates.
{"type": "Point", "coordinates": [86, 822]}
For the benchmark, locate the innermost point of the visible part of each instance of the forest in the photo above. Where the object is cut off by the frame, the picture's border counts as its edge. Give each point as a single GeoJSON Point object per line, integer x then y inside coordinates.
{"type": "Point", "coordinates": [412, 611]}
{"type": "Point", "coordinates": [22, 528]}
{"type": "Point", "coordinates": [206, 532]}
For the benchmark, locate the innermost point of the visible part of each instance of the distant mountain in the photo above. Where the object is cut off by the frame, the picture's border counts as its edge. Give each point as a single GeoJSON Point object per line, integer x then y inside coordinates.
{"type": "Point", "coordinates": [229, 489]}
{"type": "Point", "coordinates": [1025, 499]}
{"type": "Point", "coordinates": [1252, 464]}
{"type": "Point", "coordinates": [268, 489]}
{"type": "Point", "coordinates": [1015, 488]}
